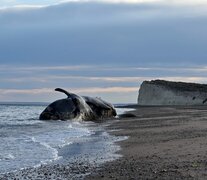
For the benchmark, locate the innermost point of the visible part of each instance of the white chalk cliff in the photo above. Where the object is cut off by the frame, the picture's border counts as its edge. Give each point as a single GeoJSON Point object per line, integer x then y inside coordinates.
{"type": "Point", "coordinates": [159, 92]}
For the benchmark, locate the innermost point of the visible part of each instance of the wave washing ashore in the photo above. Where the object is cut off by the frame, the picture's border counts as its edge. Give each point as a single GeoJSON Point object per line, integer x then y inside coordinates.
{"type": "Point", "coordinates": [39, 149]}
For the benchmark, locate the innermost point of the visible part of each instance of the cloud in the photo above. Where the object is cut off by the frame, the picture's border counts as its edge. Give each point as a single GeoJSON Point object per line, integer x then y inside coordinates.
{"type": "Point", "coordinates": [115, 94]}
{"type": "Point", "coordinates": [101, 33]}
{"type": "Point", "coordinates": [25, 4]}
{"type": "Point", "coordinates": [24, 91]}
{"type": "Point", "coordinates": [111, 94]}
{"type": "Point", "coordinates": [75, 90]}
{"type": "Point", "coordinates": [35, 69]}
{"type": "Point", "coordinates": [100, 47]}
{"type": "Point", "coordinates": [37, 3]}
{"type": "Point", "coordinates": [49, 76]}
{"type": "Point", "coordinates": [101, 79]}
{"type": "Point", "coordinates": [48, 80]}
{"type": "Point", "coordinates": [187, 2]}
{"type": "Point", "coordinates": [44, 68]}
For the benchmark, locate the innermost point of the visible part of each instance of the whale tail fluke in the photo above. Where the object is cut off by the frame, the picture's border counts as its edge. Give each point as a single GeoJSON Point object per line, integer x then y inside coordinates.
{"type": "Point", "coordinates": [63, 91]}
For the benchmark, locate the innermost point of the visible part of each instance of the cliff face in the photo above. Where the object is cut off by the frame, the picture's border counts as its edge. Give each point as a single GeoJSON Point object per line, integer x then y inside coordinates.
{"type": "Point", "coordinates": [161, 92]}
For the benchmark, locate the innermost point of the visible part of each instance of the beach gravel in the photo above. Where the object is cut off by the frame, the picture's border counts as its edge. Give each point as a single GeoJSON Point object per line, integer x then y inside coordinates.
{"type": "Point", "coordinates": [163, 143]}
{"type": "Point", "coordinates": [76, 170]}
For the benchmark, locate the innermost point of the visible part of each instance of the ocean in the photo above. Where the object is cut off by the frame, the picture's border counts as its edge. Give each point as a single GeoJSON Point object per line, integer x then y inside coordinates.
{"type": "Point", "coordinates": [28, 142]}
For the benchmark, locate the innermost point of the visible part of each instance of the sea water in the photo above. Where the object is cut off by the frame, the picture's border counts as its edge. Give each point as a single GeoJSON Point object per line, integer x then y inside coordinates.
{"type": "Point", "coordinates": [28, 142]}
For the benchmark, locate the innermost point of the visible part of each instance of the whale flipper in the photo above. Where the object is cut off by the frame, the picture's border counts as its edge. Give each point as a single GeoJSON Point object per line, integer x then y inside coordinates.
{"type": "Point", "coordinates": [63, 91]}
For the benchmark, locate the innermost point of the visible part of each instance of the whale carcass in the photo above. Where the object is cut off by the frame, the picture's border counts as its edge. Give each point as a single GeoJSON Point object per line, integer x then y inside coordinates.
{"type": "Point", "coordinates": [78, 107]}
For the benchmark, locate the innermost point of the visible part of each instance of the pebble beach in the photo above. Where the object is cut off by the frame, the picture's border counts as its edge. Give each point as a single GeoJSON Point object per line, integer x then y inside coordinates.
{"type": "Point", "coordinates": [160, 143]}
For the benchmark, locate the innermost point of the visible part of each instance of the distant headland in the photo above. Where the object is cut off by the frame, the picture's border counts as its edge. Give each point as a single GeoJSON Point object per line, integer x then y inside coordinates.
{"type": "Point", "coordinates": [160, 92]}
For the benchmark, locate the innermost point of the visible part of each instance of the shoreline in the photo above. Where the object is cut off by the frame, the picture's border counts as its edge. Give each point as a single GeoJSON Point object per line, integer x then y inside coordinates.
{"type": "Point", "coordinates": [164, 143]}
{"type": "Point", "coordinates": [77, 159]}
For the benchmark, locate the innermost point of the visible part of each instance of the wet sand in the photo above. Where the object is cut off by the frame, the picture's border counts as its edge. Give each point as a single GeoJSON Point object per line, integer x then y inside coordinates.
{"type": "Point", "coordinates": [163, 143]}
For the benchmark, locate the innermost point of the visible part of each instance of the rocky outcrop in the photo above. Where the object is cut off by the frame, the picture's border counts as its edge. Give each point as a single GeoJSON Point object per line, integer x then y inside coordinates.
{"type": "Point", "coordinates": [160, 92]}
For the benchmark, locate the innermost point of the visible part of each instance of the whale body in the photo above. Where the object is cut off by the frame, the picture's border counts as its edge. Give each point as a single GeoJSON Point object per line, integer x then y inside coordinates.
{"type": "Point", "coordinates": [78, 107]}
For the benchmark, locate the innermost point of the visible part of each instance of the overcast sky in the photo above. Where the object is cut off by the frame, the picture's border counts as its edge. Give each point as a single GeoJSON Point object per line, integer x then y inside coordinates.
{"type": "Point", "coordinates": [100, 48]}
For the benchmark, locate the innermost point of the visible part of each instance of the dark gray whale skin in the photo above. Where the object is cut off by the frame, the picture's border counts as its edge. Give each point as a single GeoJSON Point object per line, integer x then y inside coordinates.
{"type": "Point", "coordinates": [78, 107]}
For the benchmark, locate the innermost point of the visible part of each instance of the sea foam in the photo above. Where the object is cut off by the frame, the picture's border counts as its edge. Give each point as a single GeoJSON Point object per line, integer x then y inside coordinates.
{"type": "Point", "coordinates": [27, 142]}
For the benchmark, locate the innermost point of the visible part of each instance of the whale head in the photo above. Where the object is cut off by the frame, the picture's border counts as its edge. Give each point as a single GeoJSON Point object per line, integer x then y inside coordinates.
{"type": "Point", "coordinates": [61, 109]}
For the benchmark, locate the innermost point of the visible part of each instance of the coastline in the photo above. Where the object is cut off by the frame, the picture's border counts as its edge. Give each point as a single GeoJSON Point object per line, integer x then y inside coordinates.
{"type": "Point", "coordinates": [164, 143]}
{"type": "Point", "coordinates": [77, 159]}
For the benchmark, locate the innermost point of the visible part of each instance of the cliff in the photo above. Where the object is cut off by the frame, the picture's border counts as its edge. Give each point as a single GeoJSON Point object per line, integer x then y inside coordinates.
{"type": "Point", "coordinates": [160, 92]}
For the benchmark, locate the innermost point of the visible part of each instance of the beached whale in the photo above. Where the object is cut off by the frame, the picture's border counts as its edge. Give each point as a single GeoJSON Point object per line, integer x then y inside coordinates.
{"type": "Point", "coordinates": [78, 107]}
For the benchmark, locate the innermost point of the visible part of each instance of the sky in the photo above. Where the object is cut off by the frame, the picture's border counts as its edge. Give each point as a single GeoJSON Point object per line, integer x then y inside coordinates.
{"type": "Point", "coordinates": [103, 48]}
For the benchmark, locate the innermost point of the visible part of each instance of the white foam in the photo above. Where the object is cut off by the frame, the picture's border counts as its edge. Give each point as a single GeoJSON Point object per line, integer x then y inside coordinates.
{"type": "Point", "coordinates": [28, 146]}
{"type": "Point", "coordinates": [66, 144]}
{"type": "Point", "coordinates": [123, 110]}
{"type": "Point", "coordinates": [52, 149]}
{"type": "Point", "coordinates": [5, 157]}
